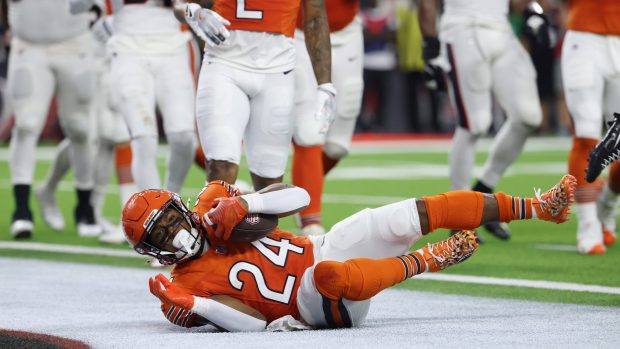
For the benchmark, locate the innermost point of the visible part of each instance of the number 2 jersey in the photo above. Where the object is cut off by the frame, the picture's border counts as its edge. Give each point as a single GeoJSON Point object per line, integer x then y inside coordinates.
{"type": "Point", "coordinates": [261, 35]}
{"type": "Point", "coordinates": [264, 274]}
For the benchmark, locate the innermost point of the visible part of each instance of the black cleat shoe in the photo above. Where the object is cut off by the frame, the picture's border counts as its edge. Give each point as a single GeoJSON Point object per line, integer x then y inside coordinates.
{"type": "Point", "coordinates": [499, 230]}
{"type": "Point", "coordinates": [606, 151]}
{"type": "Point", "coordinates": [86, 223]}
{"type": "Point", "coordinates": [21, 225]}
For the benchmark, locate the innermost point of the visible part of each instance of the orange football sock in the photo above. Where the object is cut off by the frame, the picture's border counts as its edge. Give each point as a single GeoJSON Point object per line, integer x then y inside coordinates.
{"type": "Point", "coordinates": [199, 158]}
{"type": "Point", "coordinates": [123, 163]}
{"type": "Point", "coordinates": [577, 164]}
{"type": "Point", "coordinates": [362, 278]}
{"type": "Point", "coordinates": [614, 177]}
{"type": "Point", "coordinates": [460, 209]}
{"type": "Point", "coordinates": [514, 207]}
{"type": "Point", "coordinates": [307, 173]}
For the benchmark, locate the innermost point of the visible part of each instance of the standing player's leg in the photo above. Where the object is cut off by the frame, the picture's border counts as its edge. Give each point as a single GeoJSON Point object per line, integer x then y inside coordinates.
{"type": "Point", "coordinates": [269, 130]}
{"type": "Point", "coordinates": [222, 112]}
{"type": "Point", "coordinates": [347, 75]}
{"type": "Point", "coordinates": [514, 86]}
{"type": "Point", "coordinates": [76, 84]}
{"type": "Point", "coordinates": [175, 97]}
{"type": "Point", "coordinates": [30, 87]}
{"type": "Point", "coordinates": [607, 200]}
{"type": "Point", "coordinates": [470, 78]}
{"type": "Point", "coordinates": [133, 87]}
{"type": "Point", "coordinates": [46, 193]}
{"type": "Point", "coordinates": [307, 165]}
{"type": "Point", "coordinates": [583, 57]}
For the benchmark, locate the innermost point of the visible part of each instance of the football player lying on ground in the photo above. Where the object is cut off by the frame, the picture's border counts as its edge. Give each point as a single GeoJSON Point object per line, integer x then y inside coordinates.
{"type": "Point", "coordinates": [285, 282]}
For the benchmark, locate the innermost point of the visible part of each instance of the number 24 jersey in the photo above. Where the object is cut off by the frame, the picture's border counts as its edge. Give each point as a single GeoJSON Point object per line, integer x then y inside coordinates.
{"type": "Point", "coordinates": [264, 274]}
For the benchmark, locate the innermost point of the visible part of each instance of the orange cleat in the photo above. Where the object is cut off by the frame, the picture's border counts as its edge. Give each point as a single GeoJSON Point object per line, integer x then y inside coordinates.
{"type": "Point", "coordinates": [450, 251]}
{"type": "Point", "coordinates": [609, 237]}
{"type": "Point", "coordinates": [554, 204]}
{"type": "Point", "coordinates": [596, 249]}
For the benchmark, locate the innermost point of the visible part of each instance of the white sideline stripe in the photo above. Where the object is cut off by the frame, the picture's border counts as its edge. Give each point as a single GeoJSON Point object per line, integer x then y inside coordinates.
{"type": "Point", "coordinates": [556, 247]}
{"type": "Point", "coordinates": [548, 285]}
{"type": "Point", "coordinates": [43, 247]}
{"type": "Point", "coordinates": [482, 280]}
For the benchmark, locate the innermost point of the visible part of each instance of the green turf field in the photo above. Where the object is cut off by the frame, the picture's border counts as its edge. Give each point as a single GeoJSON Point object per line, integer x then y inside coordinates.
{"type": "Point", "coordinates": [537, 250]}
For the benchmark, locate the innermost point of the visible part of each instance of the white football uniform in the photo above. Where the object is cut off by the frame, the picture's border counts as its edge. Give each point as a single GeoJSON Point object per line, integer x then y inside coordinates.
{"type": "Point", "coordinates": [591, 77]}
{"type": "Point", "coordinates": [347, 76]}
{"type": "Point", "coordinates": [52, 53]}
{"type": "Point", "coordinates": [245, 92]}
{"type": "Point", "coordinates": [149, 55]}
{"type": "Point", "coordinates": [486, 57]}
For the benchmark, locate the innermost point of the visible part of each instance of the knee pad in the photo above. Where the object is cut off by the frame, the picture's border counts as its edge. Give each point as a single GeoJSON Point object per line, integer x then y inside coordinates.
{"type": "Point", "coordinates": [29, 123]}
{"type": "Point", "coordinates": [335, 151]}
{"type": "Point", "coordinates": [529, 115]}
{"type": "Point", "coordinates": [350, 98]}
{"type": "Point", "coordinates": [307, 133]}
{"type": "Point", "coordinates": [185, 140]}
{"type": "Point", "coordinates": [330, 279]}
{"type": "Point", "coordinates": [479, 123]}
{"type": "Point", "coordinates": [76, 128]}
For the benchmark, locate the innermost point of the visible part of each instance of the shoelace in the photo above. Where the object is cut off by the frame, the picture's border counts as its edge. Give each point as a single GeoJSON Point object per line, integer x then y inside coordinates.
{"type": "Point", "coordinates": [438, 258]}
{"type": "Point", "coordinates": [611, 158]}
{"type": "Point", "coordinates": [553, 196]}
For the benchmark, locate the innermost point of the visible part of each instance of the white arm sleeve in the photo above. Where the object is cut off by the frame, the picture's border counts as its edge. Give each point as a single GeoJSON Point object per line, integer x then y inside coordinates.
{"type": "Point", "coordinates": [226, 317]}
{"type": "Point", "coordinates": [276, 202]}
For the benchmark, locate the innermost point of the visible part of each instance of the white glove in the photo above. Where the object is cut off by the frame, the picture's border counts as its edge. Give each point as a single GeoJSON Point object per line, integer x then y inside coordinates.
{"type": "Point", "coordinates": [207, 24]}
{"type": "Point", "coordinates": [103, 29]}
{"type": "Point", "coordinates": [326, 106]}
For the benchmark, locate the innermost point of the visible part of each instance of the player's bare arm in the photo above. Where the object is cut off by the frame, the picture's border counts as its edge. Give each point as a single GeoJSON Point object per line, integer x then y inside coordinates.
{"type": "Point", "coordinates": [316, 31]}
{"type": "Point", "coordinates": [427, 15]}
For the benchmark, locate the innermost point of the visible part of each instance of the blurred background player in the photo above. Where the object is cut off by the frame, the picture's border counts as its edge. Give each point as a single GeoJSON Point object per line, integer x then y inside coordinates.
{"type": "Point", "coordinates": [591, 77]}
{"type": "Point", "coordinates": [51, 53]}
{"type": "Point", "coordinates": [319, 146]}
{"type": "Point", "coordinates": [149, 68]}
{"type": "Point", "coordinates": [110, 130]}
{"type": "Point", "coordinates": [485, 59]}
{"type": "Point", "coordinates": [246, 84]}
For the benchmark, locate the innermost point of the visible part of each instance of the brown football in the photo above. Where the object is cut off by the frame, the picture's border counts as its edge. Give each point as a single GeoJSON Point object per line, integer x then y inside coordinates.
{"type": "Point", "coordinates": [254, 226]}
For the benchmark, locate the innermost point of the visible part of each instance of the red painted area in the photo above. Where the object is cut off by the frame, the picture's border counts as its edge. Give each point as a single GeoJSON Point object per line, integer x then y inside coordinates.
{"type": "Point", "coordinates": [60, 342]}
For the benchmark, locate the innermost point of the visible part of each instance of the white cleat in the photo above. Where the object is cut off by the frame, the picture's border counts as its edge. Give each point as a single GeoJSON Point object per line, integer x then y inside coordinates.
{"type": "Point", "coordinates": [606, 209]}
{"type": "Point", "coordinates": [89, 230]}
{"type": "Point", "coordinates": [49, 209]}
{"type": "Point", "coordinates": [589, 230]}
{"type": "Point", "coordinates": [22, 229]}
{"type": "Point", "coordinates": [112, 234]}
{"type": "Point", "coordinates": [313, 230]}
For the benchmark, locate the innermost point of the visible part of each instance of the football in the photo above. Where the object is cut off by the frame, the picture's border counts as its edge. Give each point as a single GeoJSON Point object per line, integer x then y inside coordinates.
{"type": "Point", "coordinates": [254, 226]}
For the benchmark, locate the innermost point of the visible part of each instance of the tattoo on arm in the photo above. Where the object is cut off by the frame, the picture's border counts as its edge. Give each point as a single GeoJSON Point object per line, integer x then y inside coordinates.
{"type": "Point", "coordinates": [316, 31]}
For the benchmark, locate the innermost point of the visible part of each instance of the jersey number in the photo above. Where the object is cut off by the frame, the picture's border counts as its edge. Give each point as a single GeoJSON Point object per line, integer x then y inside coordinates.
{"type": "Point", "coordinates": [278, 259]}
{"type": "Point", "coordinates": [242, 13]}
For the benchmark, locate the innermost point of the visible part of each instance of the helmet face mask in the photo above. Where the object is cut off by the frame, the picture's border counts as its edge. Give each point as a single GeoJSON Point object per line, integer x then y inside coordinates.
{"type": "Point", "coordinates": [162, 227]}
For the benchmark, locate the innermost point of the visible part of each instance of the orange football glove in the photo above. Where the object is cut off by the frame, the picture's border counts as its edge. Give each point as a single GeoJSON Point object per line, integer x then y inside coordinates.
{"type": "Point", "coordinates": [228, 213]}
{"type": "Point", "coordinates": [163, 289]}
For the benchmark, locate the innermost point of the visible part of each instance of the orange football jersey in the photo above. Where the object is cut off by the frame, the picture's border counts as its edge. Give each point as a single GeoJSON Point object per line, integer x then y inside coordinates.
{"type": "Point", "coordinates": [339, 13]}
{"type": "Point", "coordinates": [274, 16]}
{"type": "Point", "coordinates": [595, 16]}
{"type": "Point", "coordinates": [264, 274]}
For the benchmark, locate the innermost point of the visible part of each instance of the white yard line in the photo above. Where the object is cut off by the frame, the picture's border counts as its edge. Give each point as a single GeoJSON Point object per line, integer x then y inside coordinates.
{"type": "Point", "coordinates": [481, 280]}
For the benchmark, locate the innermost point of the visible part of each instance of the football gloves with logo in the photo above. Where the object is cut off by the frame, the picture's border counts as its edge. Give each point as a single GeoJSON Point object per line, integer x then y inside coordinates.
{"type": "Point", "coordinates": [207, 24]}
{"type": "Point", "coordinates": [227, 213]}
